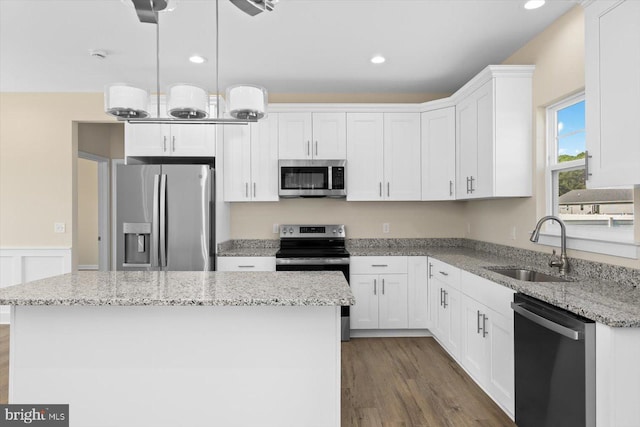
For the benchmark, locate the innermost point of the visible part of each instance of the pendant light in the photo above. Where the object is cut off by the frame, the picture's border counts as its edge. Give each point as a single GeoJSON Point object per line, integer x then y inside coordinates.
{"type": "Point", "coordinates": [186, 103]}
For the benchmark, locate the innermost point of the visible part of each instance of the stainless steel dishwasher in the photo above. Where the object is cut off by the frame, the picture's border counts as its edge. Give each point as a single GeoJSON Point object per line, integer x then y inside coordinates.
{"type": "Point", "coordinates": [554, 366]}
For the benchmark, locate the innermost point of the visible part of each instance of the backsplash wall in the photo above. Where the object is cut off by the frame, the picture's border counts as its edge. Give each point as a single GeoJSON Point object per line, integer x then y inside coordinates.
{"type": "Point", "coordinates": [363, 219]}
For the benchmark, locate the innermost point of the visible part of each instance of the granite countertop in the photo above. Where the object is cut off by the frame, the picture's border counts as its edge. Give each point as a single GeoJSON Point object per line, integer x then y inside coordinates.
{"type": "Point", "coordinates": [124, 288]}
{"type": "Point", "coordinates": [610, 302]}
{"type": "Point", "coordinates": [248, 247]}
{"type": "Point", "coordinates": [238, 252]}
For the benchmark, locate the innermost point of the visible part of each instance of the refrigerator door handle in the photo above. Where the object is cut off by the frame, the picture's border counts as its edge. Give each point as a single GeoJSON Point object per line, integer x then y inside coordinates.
{"type": "Point", "coordinates": [163, 220]}
{"type": "Point", "coordinates": [155, 221]}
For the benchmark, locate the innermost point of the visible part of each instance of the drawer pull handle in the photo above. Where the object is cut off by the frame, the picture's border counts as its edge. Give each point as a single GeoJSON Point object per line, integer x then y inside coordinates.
{"type": "Point", "coordinates": [379, 265]}
{"type": "Point", "coordinates": [444, 273]}
{"type": "Point", "coordinates": [375, 287]}
{"type": "Point", "coordinates": [246, 266]}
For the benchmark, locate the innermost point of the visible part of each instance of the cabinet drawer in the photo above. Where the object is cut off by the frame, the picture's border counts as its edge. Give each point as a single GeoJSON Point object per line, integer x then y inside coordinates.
{"type": "Point", "coordinates": [378, 265]}
{"type": "Point", "coordinates": [247, 263]}
{"type": "Point", "coordinates": [492, 295]}
{"type": "Point", "coordinates": [444, 272]}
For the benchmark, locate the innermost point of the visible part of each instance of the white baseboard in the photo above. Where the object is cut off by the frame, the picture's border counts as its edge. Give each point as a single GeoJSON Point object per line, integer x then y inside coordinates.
{"type": "Point", "coordinates": [387, 333]}
{"type": "Point", "coordinates": [21, 265]}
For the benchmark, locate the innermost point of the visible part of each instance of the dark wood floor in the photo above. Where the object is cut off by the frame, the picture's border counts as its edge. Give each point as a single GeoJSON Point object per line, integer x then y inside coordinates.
{"type": "Point", "coordinates": [388, 382]}
{"type": "Point", "coordinates": [410, 382]}
{"type": "Point", "coordinates": [4, 363]}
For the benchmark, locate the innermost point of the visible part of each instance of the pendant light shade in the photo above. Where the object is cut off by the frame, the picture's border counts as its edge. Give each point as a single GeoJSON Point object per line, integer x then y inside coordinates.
{"type": "Point", "coordinates": [187, 102]}
{"type": "Point", "coordinates": [125, 101]}
{"type": "Point", "coordinates": [246, 102]}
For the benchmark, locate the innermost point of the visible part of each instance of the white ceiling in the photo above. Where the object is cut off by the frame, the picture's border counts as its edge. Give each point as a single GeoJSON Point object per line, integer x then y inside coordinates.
{"type": "Point", "coordinates": [303, 46]}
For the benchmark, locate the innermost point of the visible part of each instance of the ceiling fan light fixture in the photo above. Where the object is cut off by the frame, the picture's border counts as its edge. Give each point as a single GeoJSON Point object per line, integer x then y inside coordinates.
{"type": "Point", "coordinates": [246, 102]}
{"type": "Point", "coordinates": [124, 101]}
{"type": "Point", "coordinates": [187, 102]}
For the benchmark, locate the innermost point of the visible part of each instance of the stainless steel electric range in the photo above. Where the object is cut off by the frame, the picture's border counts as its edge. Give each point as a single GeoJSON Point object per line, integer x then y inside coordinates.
{"type": "Point", "coordinates": [315, 248]}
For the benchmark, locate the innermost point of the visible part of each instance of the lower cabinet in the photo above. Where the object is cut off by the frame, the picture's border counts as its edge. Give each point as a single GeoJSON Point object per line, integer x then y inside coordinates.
{"type": "Point", "coordinates": [240, 263]}
{"type": "Point", "coordinates": [472, 319]}
{"type": "Point", "coordinates": [391, 292]}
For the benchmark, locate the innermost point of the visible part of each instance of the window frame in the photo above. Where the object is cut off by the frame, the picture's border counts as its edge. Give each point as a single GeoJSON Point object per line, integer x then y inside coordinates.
{"type": "Point", "coordinates": [617, 244]}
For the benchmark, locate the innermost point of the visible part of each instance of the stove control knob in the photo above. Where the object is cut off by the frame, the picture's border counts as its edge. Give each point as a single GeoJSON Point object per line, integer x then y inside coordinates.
{"type": "Point", "coordinates": [284, 230]}
{"type": "Point", "coordinates": [335, 231]}
{"type": "Point", "coordinates": [290, 230]}
{"type": "Point", "coordinates": [340, 230]}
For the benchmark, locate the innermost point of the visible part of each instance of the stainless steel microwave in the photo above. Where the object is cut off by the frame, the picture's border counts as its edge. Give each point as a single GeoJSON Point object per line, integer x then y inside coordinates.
{"type": "Point", "coordinates": [312, 178]}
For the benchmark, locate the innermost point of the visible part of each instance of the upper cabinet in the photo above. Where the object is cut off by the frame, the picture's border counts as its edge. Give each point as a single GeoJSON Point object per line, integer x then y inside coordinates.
{"type": "Point", "coordinates": [251, 161]}
{"type": "Point", "coordinates": [383, 156]}
{"type": "Point", "coordinates": [612, 65]}
{"type": "Point", "coordinates": [439, 154]}
{"type": "Point", "coordinates": [183, 140]}
{"type": "Point", "coordinates": [312, 136]}
{"type": "Point", "coordinates": [493, 134]}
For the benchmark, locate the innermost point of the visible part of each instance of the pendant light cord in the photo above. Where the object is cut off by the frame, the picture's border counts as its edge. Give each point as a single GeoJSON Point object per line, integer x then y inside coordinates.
{"type": "Point", "coordinates": [217, 62]}
{"type": "Point", "coordinates": [157, 63]}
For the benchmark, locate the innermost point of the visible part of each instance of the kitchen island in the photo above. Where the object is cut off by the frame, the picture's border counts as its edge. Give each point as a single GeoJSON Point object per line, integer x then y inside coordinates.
{"type": "Point", "coordinates": [180, 348]}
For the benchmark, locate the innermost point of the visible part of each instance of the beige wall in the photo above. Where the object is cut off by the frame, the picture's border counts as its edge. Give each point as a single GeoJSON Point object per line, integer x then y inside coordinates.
{"type": "Point", "coordinates": [558, 54]}
{"type": "Point", "coordinates": [363, 219]}
{"type": "Point", "coordinates": [102, 139]}
{"type": "Point", "coordinates": [87, 212]}
{"type": "Point", "coordinates": [38, 142]}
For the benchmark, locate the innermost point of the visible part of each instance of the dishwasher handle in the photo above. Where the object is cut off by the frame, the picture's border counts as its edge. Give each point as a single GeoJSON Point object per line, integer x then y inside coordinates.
{"type": "Point", "coordinates": [546, 323]}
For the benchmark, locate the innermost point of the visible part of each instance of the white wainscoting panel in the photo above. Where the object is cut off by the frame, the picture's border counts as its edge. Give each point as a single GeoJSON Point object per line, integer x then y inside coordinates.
{"type": "Point", "coordinates": [28, 264]}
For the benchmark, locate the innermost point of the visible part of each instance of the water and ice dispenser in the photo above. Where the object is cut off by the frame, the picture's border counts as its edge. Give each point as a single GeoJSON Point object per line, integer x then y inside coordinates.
{"type": "Point", "coordinates": [137, 244]}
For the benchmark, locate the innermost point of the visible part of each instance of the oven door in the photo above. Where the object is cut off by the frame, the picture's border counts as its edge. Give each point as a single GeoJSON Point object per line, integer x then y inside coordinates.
{"type": "Point", "coordinates": [287, 264]}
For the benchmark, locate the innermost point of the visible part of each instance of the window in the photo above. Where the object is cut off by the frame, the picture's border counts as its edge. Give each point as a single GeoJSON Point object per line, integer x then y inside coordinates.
{"type": "Point", "coordinates": [602, 214]}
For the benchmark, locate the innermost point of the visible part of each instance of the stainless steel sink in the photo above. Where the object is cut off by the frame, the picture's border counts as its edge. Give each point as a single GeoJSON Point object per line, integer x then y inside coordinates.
{"type": "Point", "coordinates": [526, 275]}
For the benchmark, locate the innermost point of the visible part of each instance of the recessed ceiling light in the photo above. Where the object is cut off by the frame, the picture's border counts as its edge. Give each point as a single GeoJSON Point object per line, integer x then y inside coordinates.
{"type": "Point", "coordinates": [378, 59]}
{"type": "Point", "coordinates": [534, 4]}
{"type": "Point", "coordinates": [197, 59]}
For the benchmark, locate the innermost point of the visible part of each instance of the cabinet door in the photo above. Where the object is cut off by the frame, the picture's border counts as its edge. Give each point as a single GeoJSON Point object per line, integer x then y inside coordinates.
{"type": "Point", "coordinates": [364, 313]}
{"type": "Point", "coordinates": [441, 321]}
{"type": "Point", "coordinates": [402, 156]}
{"type": "Point", "coordinates": [439, 154]}
{"type": "Point", "coordinates": [393, 301]}
{"type": "Point", "coordinates": [474, 139]}
{"type": "Point", "coordinates": [448, 320]}
{"type": "Point", "coordinates": [500, 366]}
{"type": "Point", "coordinates": [474, 354]}
{"type": "Point", "coordinates": [365, 164]}
{"type": "Point", "coordinates": [264, 159]}
{"type": "Point", "coordinates": [294, 133]}
{"type": "Point", "coordinates": [193, 140]}
{"type": "Point", "coordinates": [329, 136]}
{"type": "Point", "coordinates": [237, 163]}
{"type": "Point", "coordinates": [146, 139]}
{"type": "Point", "coordinates": [417, 293]}
{"type": "Point", "coordinates": [612, 56]}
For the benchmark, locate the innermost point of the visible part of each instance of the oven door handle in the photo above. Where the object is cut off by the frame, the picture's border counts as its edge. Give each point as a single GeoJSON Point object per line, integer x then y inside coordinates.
{"type": "Point", "coordinates": [546, 323]}
{"type": "Point", "coordinates": [312, 261]}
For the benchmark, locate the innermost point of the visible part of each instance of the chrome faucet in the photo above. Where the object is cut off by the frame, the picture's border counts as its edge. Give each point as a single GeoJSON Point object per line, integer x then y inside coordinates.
{"type": "Point", "coordinates": [563, 262]}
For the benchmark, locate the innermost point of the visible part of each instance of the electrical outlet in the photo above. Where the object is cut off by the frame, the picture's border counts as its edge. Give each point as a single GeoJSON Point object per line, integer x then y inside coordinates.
{"type": "Point", "coordinates": [385, 227]}
{"type": "Point", "coordinates": [276, 228]}
{"type": "Point", "coordinates": [513, 232]}
{"type": "Point", "coordinates": [58, 227]}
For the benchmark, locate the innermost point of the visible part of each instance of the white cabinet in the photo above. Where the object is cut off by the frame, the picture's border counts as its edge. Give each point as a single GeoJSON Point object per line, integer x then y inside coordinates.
{"type": "Point", "coordinates": [445, 297]}
{"type": "Point", "coordinates": [259, 263]}
{"type": "Point", "coordinates": [251, 161]}
{"type": "Point", "coordinates": [417, 292]}
{"type": "Point", "coordinates": [612, 66]}
{"type": "Point", "coordinates": [147, 139]}
{"type": "Point", "coordinates": [439, 154]}
{"type": "Point", "coordinates": [312, 136]}
{"type": "Point", "coordinates": [487, 337]}
{"type": "Point", "coordinates": [493, 134]}
{"type": "Point", "coordinates": [383, 156]}
{"type": "Point", "coordinates": [379, 285]}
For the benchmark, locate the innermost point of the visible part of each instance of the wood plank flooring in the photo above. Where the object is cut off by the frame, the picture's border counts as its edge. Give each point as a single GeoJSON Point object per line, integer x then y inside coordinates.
{"type": "Point", "coordinates": [388, 382]}
{"type": "Point", "coordinates": [410, 382]}
{"type": "Point", "coordinates": [4, 363]}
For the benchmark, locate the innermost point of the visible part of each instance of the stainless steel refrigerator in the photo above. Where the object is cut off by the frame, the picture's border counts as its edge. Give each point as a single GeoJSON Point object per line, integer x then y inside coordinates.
{"type": "Point", "coordinates": [165, 217]}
